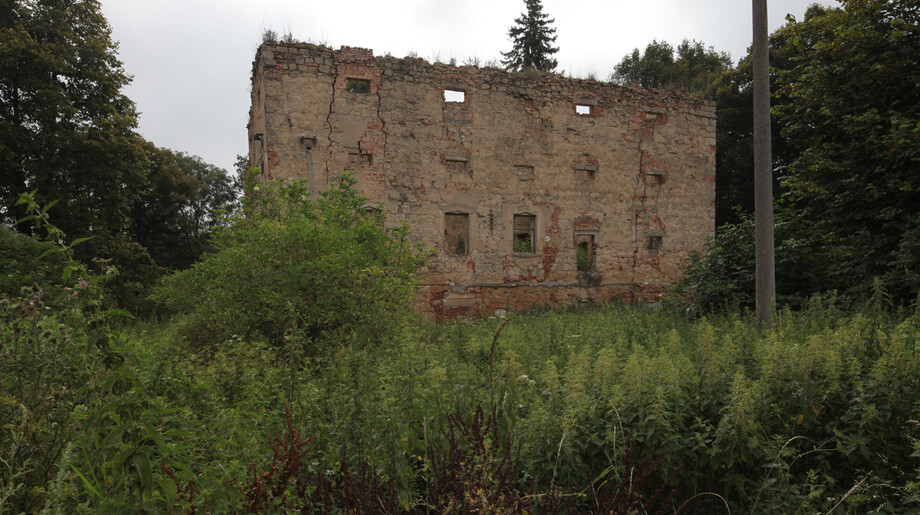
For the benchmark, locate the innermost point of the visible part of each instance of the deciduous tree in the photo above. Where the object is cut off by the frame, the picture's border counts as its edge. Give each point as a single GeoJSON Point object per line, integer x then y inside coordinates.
{"type": "Point", "coordinates": [852, 105]}
{"type": "Point", "coordinates": [694, 67]}
{"type": "Point", "coordinates": [66, 128]}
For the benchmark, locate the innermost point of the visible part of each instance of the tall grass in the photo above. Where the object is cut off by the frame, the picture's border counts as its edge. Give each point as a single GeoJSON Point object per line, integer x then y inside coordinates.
{"type": "Point", "coordinates": [819, 414]}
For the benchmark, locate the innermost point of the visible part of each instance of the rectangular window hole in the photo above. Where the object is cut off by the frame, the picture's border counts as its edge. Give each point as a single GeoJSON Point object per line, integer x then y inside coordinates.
{"type": "Point", "coordinates": [585, 172]}
{"type": "Point", "coordinates": [454, 95]}
{"type": "Point", "coordinates": [582, 109]}
{"type": "Point", "coordinates": [655, 177]}
{"type": "Point", "coordinates": [584, 252]}
{"type": "Point", "coordinates": [524, 172]}
{"type": "Point", "coordinates": [653, 244]}
{"type": "Point", "coordinates": [358, 160]}
{"type": "Point", "coordinates": [524, 229]}
{"type": "Point", "coordinates": [357, 85]}
{"type": "Point", "coordinates": [458, 166]}
{"type": "Point", "coordinates": [457, 233]}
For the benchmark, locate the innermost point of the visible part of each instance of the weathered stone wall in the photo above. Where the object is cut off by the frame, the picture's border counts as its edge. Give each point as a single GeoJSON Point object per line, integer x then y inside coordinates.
{"type": "Point", "coordinates": [532, 165]}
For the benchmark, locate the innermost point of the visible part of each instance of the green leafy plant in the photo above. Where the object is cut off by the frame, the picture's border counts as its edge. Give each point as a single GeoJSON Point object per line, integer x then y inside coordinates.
{"type": "Point", "coordinates": [318, 268]}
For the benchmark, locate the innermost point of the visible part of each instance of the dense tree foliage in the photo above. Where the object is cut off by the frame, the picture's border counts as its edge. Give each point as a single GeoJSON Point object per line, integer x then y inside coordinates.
{"type": "Point", "coordinates": [321, 267]}
{"type": "Point", "coordinates": [846, 141]}
{"type": "Point", "coordinates": [850, 102]}
{"type": "Point", "coordinates": [181, 204]}
{"type": "Point", "coordinates": [693, 68]}
{"type": "Point", "coordinates": [532, 39]}
{"type": "Point", "coordinates": [733, 93]}
{"type": "Point", "coordinates": [67, 132]}
{"type": "Point", "coordinates": [66, 128]}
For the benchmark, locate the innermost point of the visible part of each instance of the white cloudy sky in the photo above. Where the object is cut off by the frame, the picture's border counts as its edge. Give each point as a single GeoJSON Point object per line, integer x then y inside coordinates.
{"type": "Point", "coordinates": [191, 59]}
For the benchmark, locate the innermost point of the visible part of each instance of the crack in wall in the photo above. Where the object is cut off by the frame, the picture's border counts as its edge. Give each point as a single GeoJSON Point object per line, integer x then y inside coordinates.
{"type": "Point", "coordinates": [383, 124]}
{"type": "Point", "coordinates": [637, 203]}
{"type": "Point", "coordinates": [329, 124]}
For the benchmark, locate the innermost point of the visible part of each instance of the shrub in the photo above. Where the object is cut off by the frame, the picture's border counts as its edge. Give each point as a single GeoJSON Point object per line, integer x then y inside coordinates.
{"type": "Point", "coordinates": [294, 265]}
{"type": "Point", "coordinates": [723, 275]}
{"type": "Point", "coordinates": [25, 261]}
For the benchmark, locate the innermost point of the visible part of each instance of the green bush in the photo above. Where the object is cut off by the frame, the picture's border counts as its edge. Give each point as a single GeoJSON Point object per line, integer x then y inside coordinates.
{"type": "Point", "coordinates": [314, 268]}
{"type": "Point", "coordinates": [721, 278]}
{"type": "Point", "coordinates": [25, 261]}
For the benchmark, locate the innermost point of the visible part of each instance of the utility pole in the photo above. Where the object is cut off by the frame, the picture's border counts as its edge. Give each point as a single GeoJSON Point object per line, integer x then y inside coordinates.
{"type": "Point", "coordinates": [765, 272]}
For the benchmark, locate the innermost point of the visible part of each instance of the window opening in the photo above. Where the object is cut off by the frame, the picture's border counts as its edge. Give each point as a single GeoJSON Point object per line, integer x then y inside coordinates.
{"type": "Point", "coordinates": [524, 226]}
{"type": "Point", "coordinates": [457, 233]}
{"type": "Point", "coordinates": [584, 252]}
{"type": "Point", "coordinates": [582, 109]}
{"type": "Point", "coordinates": [524, 172]}
{"type": "Point", "coordinates": [653, 244]}
{"type": "Point", "coordinates": [454, 95]}
{"type": "Point", "coordinates": [655, 177]}
{"type": "Point", "coordinates": [357, 160]}
{"type": "Point", "coordinates": [585, 172]}
{"type": "Point", "coordinates": [457, 163]}
{"type": "Point", "coordinates": [357, 85]}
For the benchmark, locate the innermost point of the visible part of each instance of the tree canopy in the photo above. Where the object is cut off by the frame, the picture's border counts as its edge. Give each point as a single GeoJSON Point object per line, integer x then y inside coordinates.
{"type": "Point", "coordinates": [693, 68]}
{"type": "Point", "coordinates": [533, 38]}
{"type": "Point", "coordinates": [66, 128]}
{"type": "Point", "coordinates": [68, 133]}
{"type": "Point", "coordinates": [850, 102]}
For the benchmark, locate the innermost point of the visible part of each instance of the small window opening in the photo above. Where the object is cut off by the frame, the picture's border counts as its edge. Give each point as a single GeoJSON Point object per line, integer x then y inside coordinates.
{"type": "Point", "coordinates": [524, 226]}
{"type": "Point", "coordinates": [584, 252]}
{"type": "Point", "coordinates": [653, 244]}
{"type": "Point", "coordinates": [655, 177]}
{"type": "Point", "coordinates": [454, 95]}
{"type": "Point", "coordinates": [458, 167]}
{"type": "Point", "coordinates": [582, 109]}
{"type": "Point", "coordinates": [357, 160]}
{"type": "Point", "coordinates": [524, 172]}
{"type": "Point", "coordinates": [585, 172]}
{"type": "Point", "coordinates": [457, 233]}
{"type": "Point", "coordinates": [357, 85]}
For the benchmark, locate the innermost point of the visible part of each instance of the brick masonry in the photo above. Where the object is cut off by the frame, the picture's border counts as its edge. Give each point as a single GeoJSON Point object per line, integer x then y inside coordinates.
{"type": "Point", "coordinates": [633, 169]}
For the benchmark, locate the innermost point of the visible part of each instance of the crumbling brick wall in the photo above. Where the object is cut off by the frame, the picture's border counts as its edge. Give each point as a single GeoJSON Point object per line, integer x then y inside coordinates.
{"type": "Point", "coordinates": [505, 176]}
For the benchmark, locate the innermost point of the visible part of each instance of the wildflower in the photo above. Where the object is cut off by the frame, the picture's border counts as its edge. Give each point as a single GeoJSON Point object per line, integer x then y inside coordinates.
{"type": "Point", "coordinates": [31, 303]}
{"type": "Point", "coordinates": [34, 296]}
{"type": "Point", "coordinates": [83, 284]}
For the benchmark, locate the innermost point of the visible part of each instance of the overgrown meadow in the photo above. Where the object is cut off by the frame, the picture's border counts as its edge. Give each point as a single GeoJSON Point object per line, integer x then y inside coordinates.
{"type": "Point", "coordinates": [243, 399]}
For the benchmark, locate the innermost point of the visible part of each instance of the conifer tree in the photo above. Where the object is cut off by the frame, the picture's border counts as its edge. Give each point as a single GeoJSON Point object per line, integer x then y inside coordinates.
{"type": "Point", "coordinates": [533, 38]}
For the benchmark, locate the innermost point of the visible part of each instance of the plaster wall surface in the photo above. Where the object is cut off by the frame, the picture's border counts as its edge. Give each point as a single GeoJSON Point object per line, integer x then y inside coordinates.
{"type": "Point", "coordinates": [506, 184]}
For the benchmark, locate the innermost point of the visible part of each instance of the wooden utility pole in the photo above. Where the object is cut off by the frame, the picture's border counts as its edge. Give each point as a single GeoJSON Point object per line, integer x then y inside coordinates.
{"type": "Point", "coordinates": [763, 172]}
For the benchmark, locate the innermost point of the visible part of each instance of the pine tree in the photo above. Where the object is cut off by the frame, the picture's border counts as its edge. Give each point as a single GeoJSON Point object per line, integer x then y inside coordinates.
{"type": "Point", "coordinates": [533, 38]}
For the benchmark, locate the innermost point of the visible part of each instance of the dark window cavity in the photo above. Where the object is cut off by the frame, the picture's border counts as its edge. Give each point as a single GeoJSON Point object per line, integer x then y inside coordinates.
{"type": "Point", "coordinates": [457, 233]}
{"type": "Point", "coordinates": [524, 231]}
{"type": "Point", "coordinates": [584, 252]}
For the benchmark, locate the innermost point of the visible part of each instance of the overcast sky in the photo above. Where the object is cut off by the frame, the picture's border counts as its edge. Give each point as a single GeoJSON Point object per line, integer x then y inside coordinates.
{"type": "Point", "coordinates": [191, 59]}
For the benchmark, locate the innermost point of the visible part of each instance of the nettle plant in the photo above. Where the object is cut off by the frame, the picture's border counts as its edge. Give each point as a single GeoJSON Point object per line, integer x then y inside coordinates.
{"type": "Point", "coordinates": [294, 266]}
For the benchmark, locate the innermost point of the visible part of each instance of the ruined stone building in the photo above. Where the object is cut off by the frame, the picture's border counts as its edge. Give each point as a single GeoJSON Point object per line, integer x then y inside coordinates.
{"type": "Point", "coordinates": [530, 189]}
